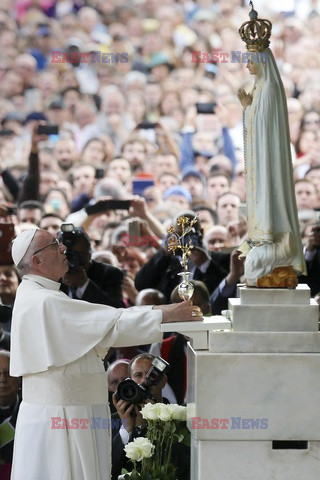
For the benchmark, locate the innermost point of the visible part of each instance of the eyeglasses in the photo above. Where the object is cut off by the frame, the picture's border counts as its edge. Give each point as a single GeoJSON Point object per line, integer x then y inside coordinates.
{"type": "Point", "coordinates": [55, 242]}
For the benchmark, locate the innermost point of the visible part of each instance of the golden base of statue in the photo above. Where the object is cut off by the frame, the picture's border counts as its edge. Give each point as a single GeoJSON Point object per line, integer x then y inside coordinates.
{"type": "Point", "coordinates": [280, 277]}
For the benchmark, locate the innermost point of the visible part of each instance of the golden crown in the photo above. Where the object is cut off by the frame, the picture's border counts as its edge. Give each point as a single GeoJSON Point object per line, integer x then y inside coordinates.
{"type": "Point", "coordinates": [256, 32]}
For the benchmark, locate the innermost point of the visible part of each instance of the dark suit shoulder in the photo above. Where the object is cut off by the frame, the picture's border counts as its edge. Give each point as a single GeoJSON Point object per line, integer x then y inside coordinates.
{"type": "Point", "coordinates": [98, 268]}
{"type": "Point", "coordinates": [222, 259]}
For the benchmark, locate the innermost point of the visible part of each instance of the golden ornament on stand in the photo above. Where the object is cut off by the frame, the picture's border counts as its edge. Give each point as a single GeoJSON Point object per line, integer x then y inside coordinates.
{"type": "Point", "coordinates": [182, 241]}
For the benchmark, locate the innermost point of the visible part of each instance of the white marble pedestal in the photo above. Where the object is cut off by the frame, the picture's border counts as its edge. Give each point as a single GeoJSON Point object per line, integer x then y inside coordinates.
{"type": "Point", "coordinates": [254, 394]}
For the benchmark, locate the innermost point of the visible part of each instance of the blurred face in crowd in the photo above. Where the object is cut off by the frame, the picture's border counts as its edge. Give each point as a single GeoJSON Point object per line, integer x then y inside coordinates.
{"type": "Point", "coordinates": [120, 169]}
{"type": "Point", "coordinates": [117, 373]}
{"type": "Point", "coordinates": [220, 163]}
{"type": "Point", "coordinates": [216, 238]}
{"type": "Point", "coordinates": [51, 225]}
{"type": "Point", "coordinates": [65, 153]}
{"type": "Point", "coordinates": [26, 66]}
{"type": "Point", "coordinates": [203, 142]}
{"type": "Point", "coordinates": [307, 141]}
{"type": "Point", "coordinates": [165, 164]}
{"type": "Point", "coordinates": [48, 83]}
{"type": "Point", "coordinates": [48, 180]}
{"type": "Point", "coordinates": [84, 179]}
{"type": "Point", "coordinates": [153, 196]}
{"type": "Point", "coordinates": [311, 121]}
{"type": "Point", "coordinates": [314, 177]}
{"type": "Point", "coordinates": [132, 261]}
{"type": "Point", "coordinates": [29, 215]}
{"type": "Point", "coordinates": [71, 97]}
{"type": "Point", "coordinates": [206, 219]}
{"type": "Point", "coordinates": [201, 162]}
{"type": "Point", "coordinates": [135, 152]}
{"type": "Point", "coordinates": [84, 114]}
{"type": "Point", "coordinates": [228, 209]}
{"type": "Point", "coordinates": [194, 185]}
{"type": "Point", "coordinates": [114, 104]}
{"type": "Point", "coordinates": [166, 181]}
{"type": "Point", "coordinates": [9, 386]}
{"type": "Point", "coordinates": [239, 182]}
{"type": "Point", "coordinates": [306, 195]}
{"type": "Point", "coordinates": [216, 186]}
{"type": "Point", "coordinates": [152, 94]}
{"type": "Point", "coordinates": [56, 203]}
{"type": "Point", "coordinates": [8, 283]}
{"type": "Point", "coordinates": [94, 152]}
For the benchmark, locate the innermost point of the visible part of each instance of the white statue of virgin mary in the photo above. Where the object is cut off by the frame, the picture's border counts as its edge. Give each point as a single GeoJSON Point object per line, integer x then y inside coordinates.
{"type": "Point", "coordinates": [273, 227]}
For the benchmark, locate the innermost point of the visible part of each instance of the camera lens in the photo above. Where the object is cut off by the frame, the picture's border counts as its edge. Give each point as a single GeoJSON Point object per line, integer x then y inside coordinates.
{"type": "Point", "coordinates": [129, 391]}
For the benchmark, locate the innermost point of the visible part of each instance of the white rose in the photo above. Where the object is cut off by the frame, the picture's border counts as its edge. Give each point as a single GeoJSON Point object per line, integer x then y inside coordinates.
{"type": "Point", "coordinates": [139, 449]}
{"type": "Point", "coordinates": [151, 411]}
{"type": "Point", "coordinates": [165, 413]}
{"type": "Point", "coordinates": [178, 412]}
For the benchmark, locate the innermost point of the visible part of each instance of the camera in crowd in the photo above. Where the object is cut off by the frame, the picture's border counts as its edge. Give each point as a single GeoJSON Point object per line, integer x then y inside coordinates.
{"type": "Point", "coordinates": [130, 391]}
{"type": "Point", "coordinates": [68, 235]}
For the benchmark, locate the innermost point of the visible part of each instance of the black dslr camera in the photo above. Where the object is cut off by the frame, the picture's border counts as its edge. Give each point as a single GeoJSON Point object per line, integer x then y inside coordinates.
{"type": "Point", "coordinates": [130, 391]}
{"type": "Point", "coordinates": [68, 235]}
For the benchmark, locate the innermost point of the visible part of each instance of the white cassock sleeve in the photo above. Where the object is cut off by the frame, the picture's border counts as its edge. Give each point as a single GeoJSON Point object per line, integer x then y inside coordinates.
{"type": "Point", "coordinates": [50, 329]}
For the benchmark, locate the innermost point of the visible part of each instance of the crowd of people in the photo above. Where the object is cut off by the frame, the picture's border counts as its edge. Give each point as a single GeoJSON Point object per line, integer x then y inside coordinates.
{"type": "Point", "coordinates": [144, 98]}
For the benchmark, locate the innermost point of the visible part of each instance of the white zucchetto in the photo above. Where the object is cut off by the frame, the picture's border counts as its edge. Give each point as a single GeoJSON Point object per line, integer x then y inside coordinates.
{"type": "Point", "coordinates": [21, 244]}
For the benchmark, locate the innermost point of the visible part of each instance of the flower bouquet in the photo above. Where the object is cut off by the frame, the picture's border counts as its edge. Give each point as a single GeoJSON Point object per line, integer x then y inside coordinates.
{"type": "Point", "coordinates": [151, 456]}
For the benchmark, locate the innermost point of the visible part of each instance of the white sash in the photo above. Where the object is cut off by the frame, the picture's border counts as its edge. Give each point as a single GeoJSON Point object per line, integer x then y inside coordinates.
{"type": "Point", "coordinates": [72, 389]}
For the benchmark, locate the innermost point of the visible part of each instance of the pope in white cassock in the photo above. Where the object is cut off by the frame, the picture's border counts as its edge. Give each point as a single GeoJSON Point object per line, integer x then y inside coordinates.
{"type": "Point", "coordinates": [55, 347]}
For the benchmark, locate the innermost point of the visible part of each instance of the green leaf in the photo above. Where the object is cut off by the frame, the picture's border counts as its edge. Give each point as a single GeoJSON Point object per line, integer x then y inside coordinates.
{"type": "Point", "coordinates": [125, 475]}
{"type": "Point", "coordinates": [186, 436]}
{"type": "Point", "coordinates": [135, 476]}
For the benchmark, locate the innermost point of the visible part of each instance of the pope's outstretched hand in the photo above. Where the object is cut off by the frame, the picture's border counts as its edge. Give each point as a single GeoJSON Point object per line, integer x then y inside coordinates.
{"type": "Point", "coordinates": [180, 312]}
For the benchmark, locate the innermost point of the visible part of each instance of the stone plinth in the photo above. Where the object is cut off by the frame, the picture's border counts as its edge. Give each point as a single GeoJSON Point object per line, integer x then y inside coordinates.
{"type": "Point", "coordinates": [265, 342]}
{"type": "Point", "coordinates": [262, 386]}
{"type": "Point", "coordinates": [277, 296]}
{"type": "Point", "coordinates": [253, 461]}
{"type": "Point", "coordinates": [274, 309]}
{"type": "Point", "coordinates": [198, 332]}
{"type": "Point", "coordinates": [253, 395]}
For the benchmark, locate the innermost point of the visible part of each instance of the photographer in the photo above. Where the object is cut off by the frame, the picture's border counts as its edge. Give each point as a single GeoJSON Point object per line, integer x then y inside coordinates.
{"type": "Point", "coordinates": [86, 279]}
{"type": "Point", "coordinates": [133, 424]}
